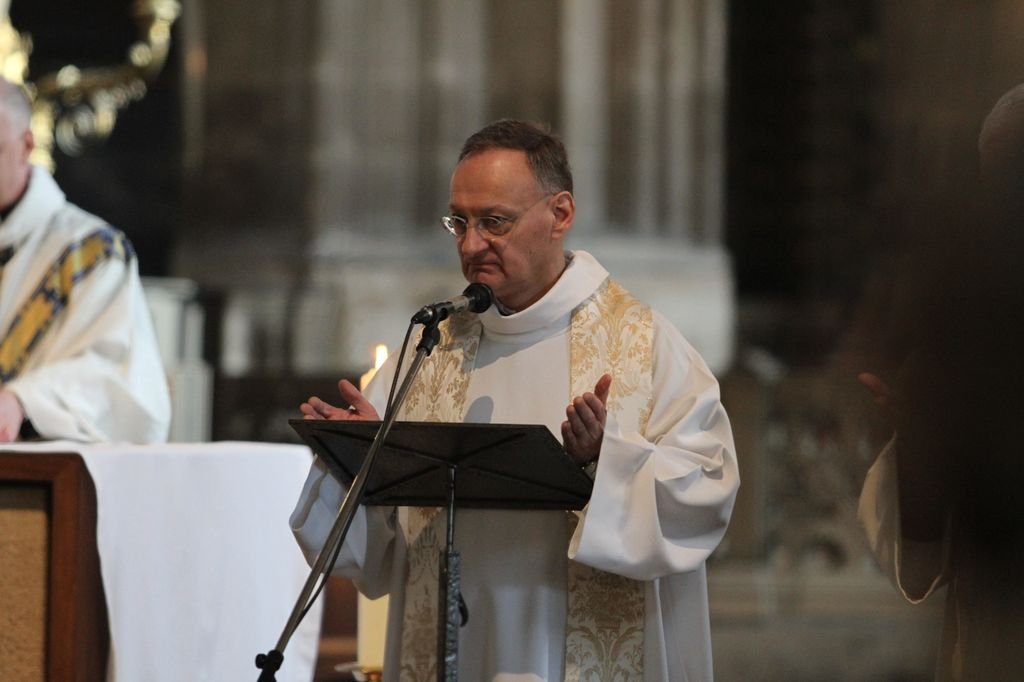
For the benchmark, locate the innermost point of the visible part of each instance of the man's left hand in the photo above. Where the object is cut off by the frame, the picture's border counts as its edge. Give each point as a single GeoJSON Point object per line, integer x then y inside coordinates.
{"type": "Point", "coordinates": [583, 431]}
{"type": "Point", "coordinates": [360, 409]}
{"type": "Point", "coordinates": [11, 416]}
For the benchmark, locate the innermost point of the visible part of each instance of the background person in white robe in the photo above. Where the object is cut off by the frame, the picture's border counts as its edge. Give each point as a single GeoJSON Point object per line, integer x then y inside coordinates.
{"type": "Point", "coordinates": [942, 503]}
{"type": "Point", "coordinates": [78, 356]}
{"type": "Point", "coordinates": [663, 492]}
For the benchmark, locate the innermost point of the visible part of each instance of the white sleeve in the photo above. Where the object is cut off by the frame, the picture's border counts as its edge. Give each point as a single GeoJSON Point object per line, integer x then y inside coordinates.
{"type": "Point", "coordinates": [662, 500]}
{"type": "Point", "coordinates": [99, 376]}
{"type": "Point", "coordinates": [915, 568]}
{"type": "Point", "coordinates": [367, 555]}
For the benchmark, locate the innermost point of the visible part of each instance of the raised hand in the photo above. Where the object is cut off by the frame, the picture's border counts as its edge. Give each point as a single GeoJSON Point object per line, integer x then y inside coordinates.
{"type": "Point", "coordinates": [879, 389]}
{"type": "Point", "coordinates": [359, 408]}
{"type": "Point", "coordinates": [583, 430]}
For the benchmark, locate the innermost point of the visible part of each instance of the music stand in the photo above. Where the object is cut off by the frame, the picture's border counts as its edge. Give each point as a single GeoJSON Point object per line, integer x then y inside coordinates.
{"type": "Point", "coordinates": [497, 466]}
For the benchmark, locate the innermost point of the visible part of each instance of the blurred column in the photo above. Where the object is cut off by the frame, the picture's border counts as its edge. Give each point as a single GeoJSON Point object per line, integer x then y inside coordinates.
{"type": "Point", "coordinates": [399, 86]}
{"type": "Point", "coordinates": [365, 118]}
{"type": "Point", "coordinates": [712, 92]}
{"type": "Point", "coordinates": [453, 99]}
{"type": "Point", "coordinates": [644, 89]}
{"type": "Point", "coordinates": [585, 100]}
{"type": "Point", "coordinates": [246, 118]}
{"type": "Point", "coordinates": [673, 87]}
{"type": "Point", "coordinates": [460, 76]}
{"type": "Point", "coordinates": [684, 39]}
{"type": "Point", "coordinates": [696, 115]}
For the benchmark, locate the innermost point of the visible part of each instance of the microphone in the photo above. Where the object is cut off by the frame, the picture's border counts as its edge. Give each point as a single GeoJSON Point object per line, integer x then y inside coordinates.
{"type": "Point", "coordinates": [476, 298]}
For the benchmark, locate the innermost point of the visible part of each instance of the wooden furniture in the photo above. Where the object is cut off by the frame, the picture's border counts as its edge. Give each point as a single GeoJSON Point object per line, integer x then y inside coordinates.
{"type": "Point", "coordinates": [337, 645]}
{"type": "Point", "coordinates": [198, 565]}
{"type": "Point", "coordinates": [49, 570]}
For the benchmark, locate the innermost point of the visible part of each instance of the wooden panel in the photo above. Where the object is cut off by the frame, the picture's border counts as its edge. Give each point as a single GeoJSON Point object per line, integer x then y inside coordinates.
{"type": "Point", "coordinates": [24, 554]}
{"type": "Point", "coordinates": [338, 632]}
{"type": "Point", "coordinates": [76, 620]}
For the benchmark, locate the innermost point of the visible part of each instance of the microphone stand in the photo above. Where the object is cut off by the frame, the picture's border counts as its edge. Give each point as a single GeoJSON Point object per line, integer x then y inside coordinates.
{"type": "Point", "coordinates": [270, 662]}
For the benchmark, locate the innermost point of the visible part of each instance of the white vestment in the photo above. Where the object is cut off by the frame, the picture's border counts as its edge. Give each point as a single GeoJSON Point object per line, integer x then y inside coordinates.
{"type": "Point", "coordinates": [983, 631]}
{"type": "Point", "coordinates": [94, 372]}
{"type": "Point", "coordinates": [660, 504]}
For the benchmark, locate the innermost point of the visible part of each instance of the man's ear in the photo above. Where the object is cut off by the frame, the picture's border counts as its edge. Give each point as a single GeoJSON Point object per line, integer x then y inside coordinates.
{"type": "Point", "coordinates": [29, 143]}
{"type": "Point", "coordinates": [564, 209]}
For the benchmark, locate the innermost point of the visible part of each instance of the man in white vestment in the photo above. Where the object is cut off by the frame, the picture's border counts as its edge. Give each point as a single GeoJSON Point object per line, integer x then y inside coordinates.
{"type": "Point", "coordinates": [617, 591]}
{"type": "Point", "coordinates": [78, 356]}
{"type": "Point", "coordinates": [941, 505]}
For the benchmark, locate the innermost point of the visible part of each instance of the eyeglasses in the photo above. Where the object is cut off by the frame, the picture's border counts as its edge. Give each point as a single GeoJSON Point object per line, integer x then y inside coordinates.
{"type": "Point", "coordinates": [489, 226]}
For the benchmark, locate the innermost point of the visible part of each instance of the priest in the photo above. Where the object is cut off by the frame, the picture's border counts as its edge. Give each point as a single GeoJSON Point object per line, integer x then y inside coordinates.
{"type": "Point", "coordinates": [78, 356]}
{"type": "Point", "coordinates": [617, 591]}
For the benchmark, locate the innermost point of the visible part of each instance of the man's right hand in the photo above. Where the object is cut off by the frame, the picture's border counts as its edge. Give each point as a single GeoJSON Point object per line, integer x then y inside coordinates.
{"type": "Point", "coordinates": [879, 389]}
{"type": "Point", "coordinates": [11, 416]}
{"type": "Point", "coordinates": [885, 397]}
{"type": "Point", "coordinates": [923, 457]}
{"type": "Point", "coordinates": [359, 408]}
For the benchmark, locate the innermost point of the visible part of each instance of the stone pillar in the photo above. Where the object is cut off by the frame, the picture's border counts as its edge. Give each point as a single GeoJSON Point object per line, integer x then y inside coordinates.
{"type": "Point", "coordinates": [247, 141]}
{"type": "Point", "coordinates": [668, 125]}
{"type": "Point", "coordinates": [399, 87]}
{"type": "Point", "coordinates": [712, 113]}
{"type": "Point", "coordinates": [585, 103]}
{"type": "Point", "coordinates": [457, 77]}
{"type": "Point", "coordinates": [644, 87]}
{"type": "Point", "coordinates": [366, 113]}
{"type": "Point", "coordinates": [682, 124]}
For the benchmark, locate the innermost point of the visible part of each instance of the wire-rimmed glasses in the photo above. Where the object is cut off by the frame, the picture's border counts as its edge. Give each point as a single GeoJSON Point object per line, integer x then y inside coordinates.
{"type": "Point", "coordinates": [489, 226]}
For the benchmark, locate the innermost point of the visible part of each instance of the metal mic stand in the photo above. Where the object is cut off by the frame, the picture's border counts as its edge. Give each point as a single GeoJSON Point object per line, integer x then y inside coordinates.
{"type": "Point", "coordinates": [452, 611]}
{"type": "Point", "coordinates": [270, 662]}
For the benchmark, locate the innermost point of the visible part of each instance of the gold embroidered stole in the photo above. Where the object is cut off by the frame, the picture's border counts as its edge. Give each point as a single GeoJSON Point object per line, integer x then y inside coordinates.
{"type": "Point", "coordinates": [39, 312]}
{"type": "Point", "coordinates": [610, 332]}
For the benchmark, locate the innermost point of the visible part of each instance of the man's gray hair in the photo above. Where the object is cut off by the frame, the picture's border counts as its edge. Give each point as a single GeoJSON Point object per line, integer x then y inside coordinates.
{"type": "Point", "coordinates": [544, 151]}
{"type": "Point", "coordinates": [14, 100]}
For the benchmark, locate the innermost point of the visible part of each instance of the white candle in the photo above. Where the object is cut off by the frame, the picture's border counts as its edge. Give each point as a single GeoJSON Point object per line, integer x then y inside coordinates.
{"type": "Point", "coordinates": [372, 614]}
{"type": "Point", "coordinates": [371, 624]}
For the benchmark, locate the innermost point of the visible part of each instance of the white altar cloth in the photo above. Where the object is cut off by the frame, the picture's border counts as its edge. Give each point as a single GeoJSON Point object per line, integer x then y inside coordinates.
{"type": "Point", "coordinates": [198, 563]}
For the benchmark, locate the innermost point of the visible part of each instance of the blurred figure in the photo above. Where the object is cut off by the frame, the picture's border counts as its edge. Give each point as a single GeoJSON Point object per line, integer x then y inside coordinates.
{"type": "Point", "coordinates": [78, 357]}
{"type": "Point", "coordinates": [942, 505]}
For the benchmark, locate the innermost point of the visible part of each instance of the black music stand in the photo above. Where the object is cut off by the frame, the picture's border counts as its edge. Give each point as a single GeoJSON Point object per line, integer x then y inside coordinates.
{"type": "Point", "coordinates": [499, 466]}
{"type": "Point", "coordinates": [496, 466]}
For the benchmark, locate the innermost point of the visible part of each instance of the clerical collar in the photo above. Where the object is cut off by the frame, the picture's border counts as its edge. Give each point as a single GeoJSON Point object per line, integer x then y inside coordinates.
{"type": "Point", "coordinates": [583, 276]}
{"type": "Point", "coordinates": [505, 312]}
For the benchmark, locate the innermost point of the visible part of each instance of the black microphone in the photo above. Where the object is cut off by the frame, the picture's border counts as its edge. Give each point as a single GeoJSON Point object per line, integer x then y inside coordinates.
{"type": "Point", "coordinates": [476, 298]}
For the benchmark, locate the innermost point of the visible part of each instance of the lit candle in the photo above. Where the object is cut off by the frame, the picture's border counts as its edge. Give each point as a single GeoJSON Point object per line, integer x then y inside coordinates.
{"type": "Point", "coordinates": [380, 354]}
{"type": "Point", "coordinates": [371, 614]}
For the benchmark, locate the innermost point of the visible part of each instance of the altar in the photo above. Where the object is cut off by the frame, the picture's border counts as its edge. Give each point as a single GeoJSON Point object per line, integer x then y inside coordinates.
{"type": "Point", "coordinates": [196, 559]}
